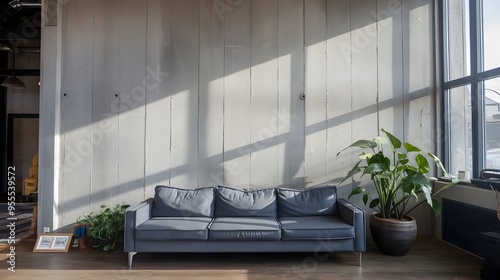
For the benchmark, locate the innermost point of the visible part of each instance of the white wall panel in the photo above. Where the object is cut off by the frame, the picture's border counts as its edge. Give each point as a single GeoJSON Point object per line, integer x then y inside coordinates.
{"type": "Point", "coordinates": [158, 98]}
{"type": "Point", "coordinates": [184, 57]}
{"type": "Point", "coordinates": [264, 94]}
{"type": "Point", "coordinates": [132, 83]}
{"type": "Point", "coordinates": [339, 90]}
{"type": "Point", "coordinates": [76, 112]}
{"type": "Point", "coordinates": [364, 69]}
{"type": "Point", "coordinates": [315, 84]}
{"type": "Point", "coordinates": [50, 146]}
{"type": "Point", "coordinates": [211, 96]}
{"type": "Point", "coordinates": [364, 95]}
{"type": "Point", "coordinates": [290, 112]}
{"type": "Point", "coordinates": [237, 101]}
{"type": "Point", "coordinates": [390, 66]}
{"type": "Point", "coordinates": [105, 101]}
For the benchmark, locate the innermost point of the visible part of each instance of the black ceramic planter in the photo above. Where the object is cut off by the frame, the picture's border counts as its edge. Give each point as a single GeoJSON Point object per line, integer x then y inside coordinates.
{"type": "Point", "coordinates": [393, 237]}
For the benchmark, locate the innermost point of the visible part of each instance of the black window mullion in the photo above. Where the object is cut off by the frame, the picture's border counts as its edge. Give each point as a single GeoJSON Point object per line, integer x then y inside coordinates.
{"type": "Point", "coordinates": [492, 73]}
{"type": "Point", "coordinates": [458, 82]}
{"type": "Point", "coordinates": [477, 100]}
{"type": "Point", "coordinates": [443, 43]}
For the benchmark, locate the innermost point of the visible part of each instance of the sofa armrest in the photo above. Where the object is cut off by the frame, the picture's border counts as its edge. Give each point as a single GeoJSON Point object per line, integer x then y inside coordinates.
{"type": "Point", "coordinates": [355, 216]}
{"type": "Point", "coordinates": [134, 216]}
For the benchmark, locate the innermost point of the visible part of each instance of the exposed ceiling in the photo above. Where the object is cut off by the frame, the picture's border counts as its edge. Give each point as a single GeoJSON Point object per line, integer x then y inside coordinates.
{"type": "Point", "coordinates": [20, 31]}
{"type": "Point", "coordinates": [20, 22]}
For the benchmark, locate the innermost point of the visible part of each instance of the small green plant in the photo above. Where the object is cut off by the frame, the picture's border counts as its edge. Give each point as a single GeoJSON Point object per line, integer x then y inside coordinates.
{"type": "Point", "coordinates": [398, 176]}
{"type": "Point", "coordinates": [106, 226]}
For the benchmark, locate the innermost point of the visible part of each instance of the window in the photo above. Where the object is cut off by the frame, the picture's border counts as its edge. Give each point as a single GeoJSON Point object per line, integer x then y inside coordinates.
{"type": "Point", "coordinates": [492, 120]}
{"type": "Point", "coordinates": [471, 84]}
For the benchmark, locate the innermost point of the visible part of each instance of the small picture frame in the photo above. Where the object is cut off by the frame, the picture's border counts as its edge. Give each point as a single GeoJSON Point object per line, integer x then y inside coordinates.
{"type": "Point", "coordinates": [53, 242]}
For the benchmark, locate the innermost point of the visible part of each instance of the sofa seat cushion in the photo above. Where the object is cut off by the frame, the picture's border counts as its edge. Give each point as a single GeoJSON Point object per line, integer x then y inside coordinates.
{"type": "Point", "coordinates": [244, 228]}
{"type": "Point", "coordinates": [174, 228]}
{"type": "Point", "coordinates": [315, 227]}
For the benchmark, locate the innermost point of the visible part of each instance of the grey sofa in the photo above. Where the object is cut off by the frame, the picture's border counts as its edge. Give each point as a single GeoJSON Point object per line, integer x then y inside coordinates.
{"type": "Point", "coordinates": [224, 219]}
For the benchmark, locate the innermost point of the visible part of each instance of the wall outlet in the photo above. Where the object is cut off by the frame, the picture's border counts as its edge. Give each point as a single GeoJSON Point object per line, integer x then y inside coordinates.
{"type": "Point", "coordinates": [46, 229]}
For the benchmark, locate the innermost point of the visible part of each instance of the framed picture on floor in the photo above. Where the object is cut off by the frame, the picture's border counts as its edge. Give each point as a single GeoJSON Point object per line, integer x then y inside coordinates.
{"type": "Point", "coordinates": [53, 242]}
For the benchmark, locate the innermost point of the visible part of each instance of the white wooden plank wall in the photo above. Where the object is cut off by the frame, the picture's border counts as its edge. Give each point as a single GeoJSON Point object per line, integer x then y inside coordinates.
{"type": "Point", "coordinates": [211, 96]}
{"type": "Point", "coordinates": [264, 94]}
{"type": "Point", "coordinates": [105, 102]}
{"type": "Point", "coordinates": [223, 82]}
{"type": "Point", "coordinates": [390, 66]}
{"type": "Point", "coordinates": [290, 112]}
{"type": "Point", "coordinates": [132, 99]}
{"type": "Point", "coordinates": [339, 75]}
{"type": "Point", "coordinates": [364, 124]}
{"type": "Point", "coordinates": [237, 94]}
{"type": "Point", "coordinates": [315, 82]}
{"type": "Point", "coordinates": [184, 36]}
{"type": "Point", "coordinates": [364, 69]}
{"type": "Point", "coordinates": [76, 111]}
{"type": "Point", "coordinates": [158, 98]}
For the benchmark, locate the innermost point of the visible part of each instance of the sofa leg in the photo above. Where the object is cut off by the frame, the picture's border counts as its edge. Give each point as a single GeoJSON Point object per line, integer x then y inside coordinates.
{"type": "Point", "coordinates": [130, 258]}
{"type": "Point", "coordinates": [360, 257]}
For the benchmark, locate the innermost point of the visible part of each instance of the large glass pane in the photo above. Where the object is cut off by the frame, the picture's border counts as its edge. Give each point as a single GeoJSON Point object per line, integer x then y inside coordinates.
{"type": "Point", "coordinates": [490, 30]}
{"type": "Point", "coordinates": [458, 41]}
{"type": "Point", "coordinates": [459, 125]}
{"type": "Point", "coordinates": [492, 118]}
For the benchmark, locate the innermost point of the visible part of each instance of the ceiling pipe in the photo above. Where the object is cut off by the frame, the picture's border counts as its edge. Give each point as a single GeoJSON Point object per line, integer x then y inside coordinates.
{"type": "Point", "coordinates": [19, 4]}
{"type": "Point", "coordinates": [4, 47]}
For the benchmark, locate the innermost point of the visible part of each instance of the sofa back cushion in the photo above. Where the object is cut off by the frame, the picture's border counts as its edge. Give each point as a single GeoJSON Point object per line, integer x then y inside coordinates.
{"type": "Point", "coordinates": [231, 202]}
{"type": "Point", "coordinates": [175, 202]}
{"type": "Point", "coordinates": [320, 201]}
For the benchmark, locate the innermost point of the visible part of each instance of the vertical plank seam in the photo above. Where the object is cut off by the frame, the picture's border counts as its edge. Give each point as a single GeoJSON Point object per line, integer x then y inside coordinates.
{"type": "Point", "coordinates": [91, 113]}
{"type": "Point", "coordinates": [250, 92]}
{"type": "Point", "coordinates": [224, 102]}
{"type": "Point", "coordinates": [326, 93]}
{"type": "Point", "coordinates": [278, 175]}
{"type": "Point", "coordinates": [377, 62]}
{"type": "Point", "coordinates": [145, 105]}
{"type": "Point", "coordinates": [405, 137]}
{"type": "Point", "coordinates": [303, 103]}
{"type": "Point", "coordinates": [170, 98]}
{"type": "Point", "coordinates": [64, 66]}
{"type": "Point", "coordinates": [351, 81]}
{"type": "Point", "coordinates": [118, 125]}
{"type": "Point", "coordinates": [92, 102]}
{"type": "Point", "coordinates": [199, 90]}
{"type": "Point", "coordinates": [403, 70]}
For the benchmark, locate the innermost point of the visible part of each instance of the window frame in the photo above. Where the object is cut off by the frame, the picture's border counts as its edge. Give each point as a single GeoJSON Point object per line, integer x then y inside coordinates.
{"type": "Point", "coordinates": [475, 80]}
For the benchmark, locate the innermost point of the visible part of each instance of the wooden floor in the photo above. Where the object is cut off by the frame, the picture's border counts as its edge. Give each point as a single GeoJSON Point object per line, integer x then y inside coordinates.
{"type": "Point", "coordinates": [429, 259]}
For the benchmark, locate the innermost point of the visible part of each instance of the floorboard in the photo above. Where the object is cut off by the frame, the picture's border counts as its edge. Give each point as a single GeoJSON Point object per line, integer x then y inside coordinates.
{"type": "Point", "coordinates": [429, 259]}
{"type": "Point", "coordinates": [24, 227]}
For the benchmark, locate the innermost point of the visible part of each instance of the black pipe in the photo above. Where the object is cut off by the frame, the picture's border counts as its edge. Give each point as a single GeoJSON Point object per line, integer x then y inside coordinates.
{"type": "Point", "coordinates": [3, 127]}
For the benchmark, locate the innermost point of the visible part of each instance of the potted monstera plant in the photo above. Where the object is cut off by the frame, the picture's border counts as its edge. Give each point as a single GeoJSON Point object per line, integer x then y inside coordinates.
{"type": "Point", "coordinates": [399, 175]}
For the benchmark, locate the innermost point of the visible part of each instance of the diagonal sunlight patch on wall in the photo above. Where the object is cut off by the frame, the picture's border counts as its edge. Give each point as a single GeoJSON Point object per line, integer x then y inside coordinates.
{"type": "Point", "coordinates": [420, 48]}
